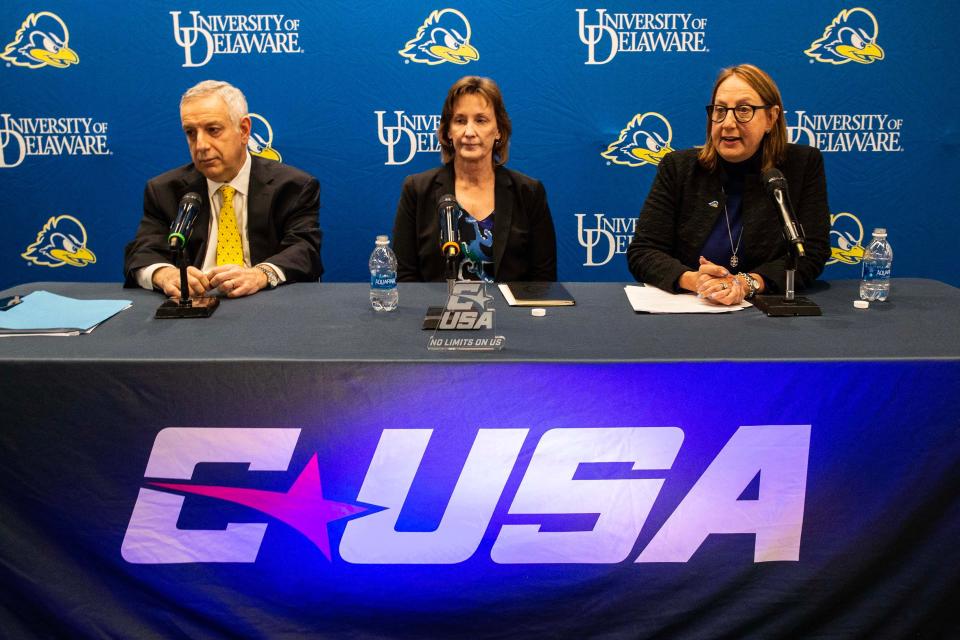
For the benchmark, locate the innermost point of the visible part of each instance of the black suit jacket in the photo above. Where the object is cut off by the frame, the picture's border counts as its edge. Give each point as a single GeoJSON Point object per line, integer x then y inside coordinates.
{"type": "Point", "coordinates": [686, 200]}
{"type": "Point", "coordinates": [524, 241]}
{"type": "Point", "coordinates": [282, 220]}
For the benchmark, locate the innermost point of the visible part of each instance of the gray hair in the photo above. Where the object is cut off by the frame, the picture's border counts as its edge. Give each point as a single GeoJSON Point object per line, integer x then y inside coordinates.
{"type": "Point", "coordinates": [233, 97]}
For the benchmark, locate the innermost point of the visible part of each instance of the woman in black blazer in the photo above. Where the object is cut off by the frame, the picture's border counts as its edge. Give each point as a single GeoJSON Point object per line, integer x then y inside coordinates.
{"type": "Point", "coordinates": [505, 227]}
{"type": "Point", "coordinates": [708, 226]}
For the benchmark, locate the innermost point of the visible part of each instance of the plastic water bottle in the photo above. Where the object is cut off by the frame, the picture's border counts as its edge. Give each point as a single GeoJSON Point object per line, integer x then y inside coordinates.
{"type": "Point", "coordinates": [877, 263]}
{"type": "Point", "coordinates": [383, 276]}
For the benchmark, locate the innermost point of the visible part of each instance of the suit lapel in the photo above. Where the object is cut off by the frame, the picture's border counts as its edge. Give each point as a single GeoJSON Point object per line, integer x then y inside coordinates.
{"type": "Point", "coordinates": [706, 210]}
{"type": "Point", "coordinates": [503, 222]}
{"type": "Point", "coordinates": [756, 207]}
{"type": "Point", "coordinates": [258, 210]}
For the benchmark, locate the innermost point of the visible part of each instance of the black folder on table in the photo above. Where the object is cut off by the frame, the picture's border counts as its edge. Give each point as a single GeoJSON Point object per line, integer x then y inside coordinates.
{"type": "Point", "coordinates": [536, 294]}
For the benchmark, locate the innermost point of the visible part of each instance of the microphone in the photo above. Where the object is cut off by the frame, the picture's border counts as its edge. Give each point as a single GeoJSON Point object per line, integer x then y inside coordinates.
{"type": "Point", "coordinates": [776, 185]}
{"type": "Point", "coordinates": [182, 225]}
{"type": "Point", "coordinates": [449, 237]}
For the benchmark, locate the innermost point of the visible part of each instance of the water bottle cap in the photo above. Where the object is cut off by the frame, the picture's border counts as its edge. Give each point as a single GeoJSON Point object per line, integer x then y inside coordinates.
{"type": "Point", "coordinates": [861, 304]}
{"type": "Point", "coordinates": [383, 239]}
{"type": "Point", "coordinates": [880, 231]}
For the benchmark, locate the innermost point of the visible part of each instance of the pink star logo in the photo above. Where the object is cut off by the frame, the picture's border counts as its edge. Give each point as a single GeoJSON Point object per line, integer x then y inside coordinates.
{"type": "Point", "coordinates": [303, 506]}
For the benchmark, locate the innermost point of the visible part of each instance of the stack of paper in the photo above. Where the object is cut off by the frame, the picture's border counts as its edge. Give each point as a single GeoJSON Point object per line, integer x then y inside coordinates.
{"type": "Point", "coordinates": [42, 313]}
{"type": "Point", "coordinates": [649, 299]}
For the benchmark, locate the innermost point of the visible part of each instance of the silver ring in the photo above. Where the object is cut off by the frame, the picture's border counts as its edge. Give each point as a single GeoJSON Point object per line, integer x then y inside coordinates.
{"type": "Point", "coordinates": [723, 285]}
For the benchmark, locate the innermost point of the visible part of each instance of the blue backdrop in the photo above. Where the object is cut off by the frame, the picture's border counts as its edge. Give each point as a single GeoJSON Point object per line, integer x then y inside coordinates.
{"type": "Point", "coordinates": [89, 95]}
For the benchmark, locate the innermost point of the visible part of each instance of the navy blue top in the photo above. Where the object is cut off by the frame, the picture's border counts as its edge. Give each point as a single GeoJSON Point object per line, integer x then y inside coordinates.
{"type": "Point", "coordinates": [718, 248]}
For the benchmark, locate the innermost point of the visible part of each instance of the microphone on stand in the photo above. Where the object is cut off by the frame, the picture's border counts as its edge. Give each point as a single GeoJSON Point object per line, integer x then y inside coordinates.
{"type": "Point", "coordinates": [186, 307]}
{"type": "Point", "coordinates": [448, 212]}
{"type": "Point", "coordinates": [788, 304]}
{"type": "Point", "coordinates": [182, 225]}
{"type": "Point", "coordinates": [776, 185]}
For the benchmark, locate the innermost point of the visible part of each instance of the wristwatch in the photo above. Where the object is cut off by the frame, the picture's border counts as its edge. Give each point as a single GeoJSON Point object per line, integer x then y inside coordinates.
{"type": "Point", "coordinates": [272, 278]}
{"type": "Point", "coordinates": [752, 285]}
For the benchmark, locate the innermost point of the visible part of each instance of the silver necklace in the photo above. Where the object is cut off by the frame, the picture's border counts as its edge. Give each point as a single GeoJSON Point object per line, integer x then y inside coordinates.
{"type": "Point", "coordinates": [734, 260]}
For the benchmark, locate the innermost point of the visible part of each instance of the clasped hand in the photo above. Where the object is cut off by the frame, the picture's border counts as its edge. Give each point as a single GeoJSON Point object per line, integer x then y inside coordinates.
{"type": "Point", "coordinates": [232, 280]}
{"type": "Point", "coordinates": [717, 285]}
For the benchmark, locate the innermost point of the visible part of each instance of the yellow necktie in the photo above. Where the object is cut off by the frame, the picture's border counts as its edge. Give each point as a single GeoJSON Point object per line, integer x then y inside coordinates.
{"type": "Point", "coordinates": [229, 247]}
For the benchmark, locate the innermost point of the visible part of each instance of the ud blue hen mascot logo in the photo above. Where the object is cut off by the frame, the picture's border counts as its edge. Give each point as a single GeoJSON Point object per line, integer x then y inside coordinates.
{"type": "Point", "coordinates": [646, 140]}
{"type": "Point", "coordinates": [846, 239]}
{"type": "Point", "coordinates": [260, 143]}
{"type": "Point", "coordinates": [63, 240]}
{"type": "Point", "coordinates": [851, 37]}
{"type": "Point", "coordinates": [41, 41]}
{"type": "Point", "coordinates": [443, 37]}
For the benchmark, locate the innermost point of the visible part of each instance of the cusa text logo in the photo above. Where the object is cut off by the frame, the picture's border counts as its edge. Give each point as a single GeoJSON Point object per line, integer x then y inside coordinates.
{"type": "Point", "coordinates": [772, 457]}
{"type": "Point", "coordinates": [41, 41]}
{"type": "Point", "coordinates": [467, 308]}
{"type": "Point", "coordinates": [202, 37]}
{"type": "Point", "coordinates": [605, 239]}
{"type": "Point", "coordinates": [614, 33]}
{"type": "Point", "coordinates": [408, 136]}
{"type": "Point", "coordinates": [443, 37]}
{"type": "Point", "coordinates": [851, 37]}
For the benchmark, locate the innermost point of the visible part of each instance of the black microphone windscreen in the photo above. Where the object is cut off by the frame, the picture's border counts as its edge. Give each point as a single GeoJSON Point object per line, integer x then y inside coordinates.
{"type": "Point", "coordinates": [447, 199]}
{"type": "Point", "coordinates": [192, 198]}
{"type": "Point", "coordinates": [772, 180]}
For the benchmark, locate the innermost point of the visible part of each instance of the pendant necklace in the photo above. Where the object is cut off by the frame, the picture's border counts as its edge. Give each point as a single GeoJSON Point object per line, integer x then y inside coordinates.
{"type": "Point", "coordinates": [734, 260]}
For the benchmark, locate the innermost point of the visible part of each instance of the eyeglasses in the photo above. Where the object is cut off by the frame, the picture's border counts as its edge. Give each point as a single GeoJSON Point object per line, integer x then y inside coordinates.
{"type": "Point", "coordinates": [742, 112]}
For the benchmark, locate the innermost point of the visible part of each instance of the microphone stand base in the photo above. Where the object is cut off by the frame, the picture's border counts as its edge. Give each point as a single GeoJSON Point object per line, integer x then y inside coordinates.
{"type": "Point", "coordinates": [192, 308]}
{"type": "Point", "coordinates": [780, 307]}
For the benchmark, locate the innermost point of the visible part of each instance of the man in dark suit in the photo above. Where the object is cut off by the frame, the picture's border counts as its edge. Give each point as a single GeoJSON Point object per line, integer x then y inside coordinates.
{"type": "Point", "coordinates": [258, 225]}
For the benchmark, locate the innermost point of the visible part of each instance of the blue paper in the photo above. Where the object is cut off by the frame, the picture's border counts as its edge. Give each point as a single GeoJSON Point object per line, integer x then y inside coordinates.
{"type": "Point", "coordinates": [45, 311]}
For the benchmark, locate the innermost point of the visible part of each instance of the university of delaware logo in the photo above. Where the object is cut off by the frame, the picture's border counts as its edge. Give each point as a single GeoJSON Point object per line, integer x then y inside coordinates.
{"type": "Point", "coordinates": [260, 143]}
{"type": "Point", "coordinates": [413, 133]}
{"type": "Point", "coordinates": [846, 239]}
{"type": "Point", "coordinates": [851, 37]}
{"type": "Point", "coordinates": [62, 241]}
{"type": "Point", "coordinates": [41, 41]}
{"type": "Point", "coordinates": [646, 140]}
{"type": "Point", "coordinates": [443, 37]}
{"type": "Point", "coordinates": [203, 36]}
{"type": "Point", "coordinates": [608, 236]}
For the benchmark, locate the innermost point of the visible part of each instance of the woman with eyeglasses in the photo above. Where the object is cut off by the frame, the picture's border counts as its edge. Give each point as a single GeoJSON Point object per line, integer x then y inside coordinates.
{"type": "Point", "coordinates": [708, 226]}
